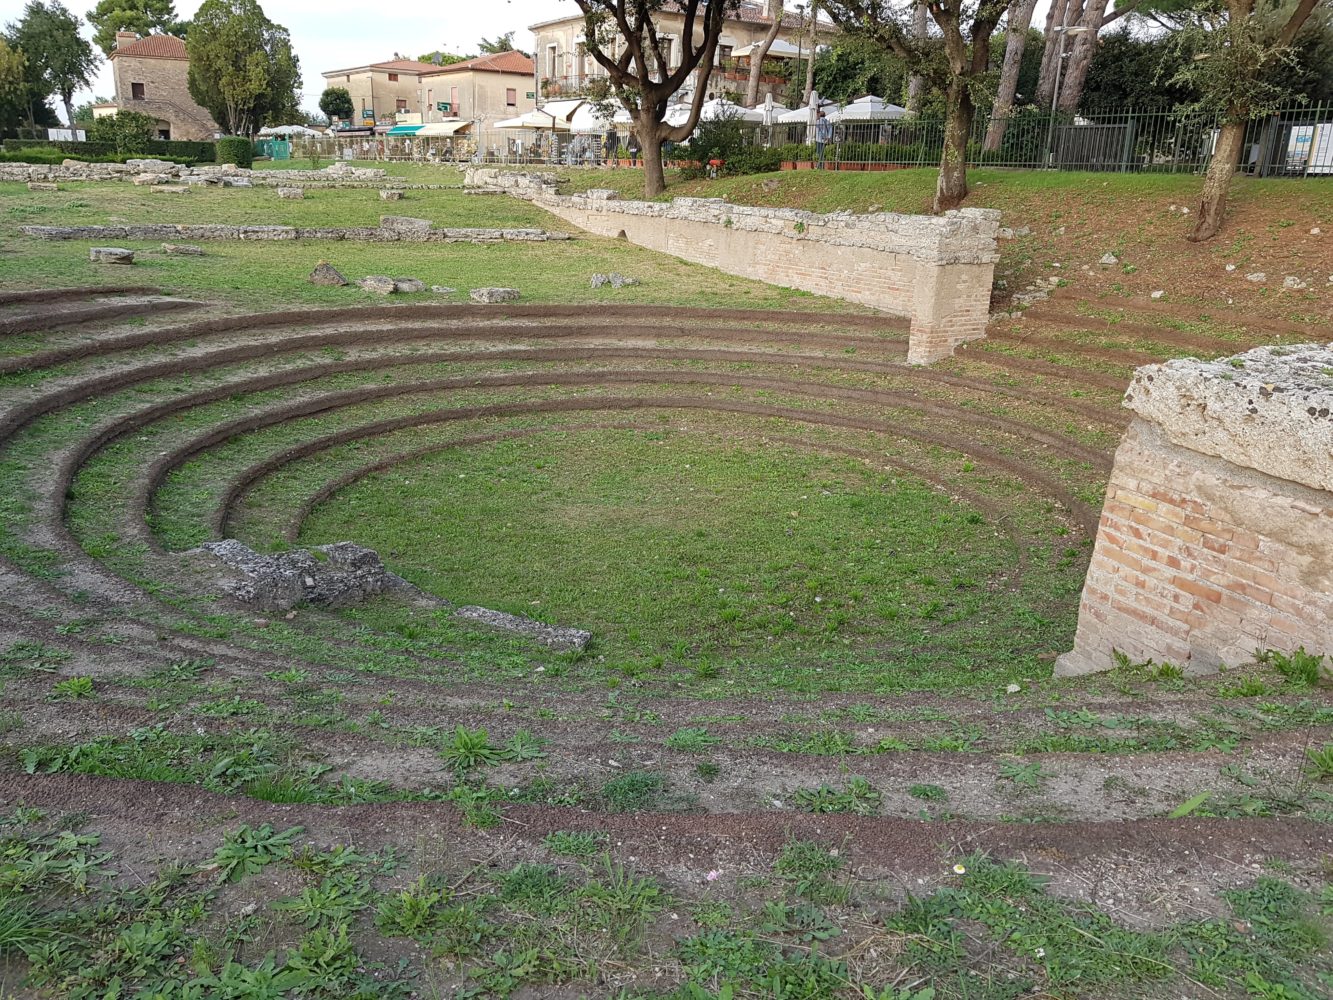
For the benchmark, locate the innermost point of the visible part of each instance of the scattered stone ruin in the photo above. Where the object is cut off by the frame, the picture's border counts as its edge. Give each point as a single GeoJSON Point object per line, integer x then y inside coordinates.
{"type": "Point", "coordinates": [340, 575]}
{"type": "Point", "coordinates": [936, 270]}
{"type": "Point", "coordinates": [392, 229]}
{"type": "Point", "coordinates": [1217, 535]}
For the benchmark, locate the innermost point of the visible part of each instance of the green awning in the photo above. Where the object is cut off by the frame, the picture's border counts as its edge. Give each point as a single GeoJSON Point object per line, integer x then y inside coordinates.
{"type": "Point", "coordinates": [404, 130]}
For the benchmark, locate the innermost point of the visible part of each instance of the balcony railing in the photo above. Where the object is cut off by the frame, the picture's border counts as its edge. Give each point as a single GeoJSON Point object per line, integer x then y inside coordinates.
{"type": "Point", "coordinates": [732, 75]}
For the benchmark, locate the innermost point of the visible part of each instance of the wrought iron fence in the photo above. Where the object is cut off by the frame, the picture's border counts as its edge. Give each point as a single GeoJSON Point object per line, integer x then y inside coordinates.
{"type": "Point", "coordinates": [1294, 142]}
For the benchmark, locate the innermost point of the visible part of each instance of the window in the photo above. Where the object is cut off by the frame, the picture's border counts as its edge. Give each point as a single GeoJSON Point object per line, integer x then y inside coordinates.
{"type": "Point", "coordinates": [511, 97]}
{"type": "Point", "coordinates": [136, 91]}
{"type": "Point", "coordinates": [393, 77]}
{"type": "Point", "coordinates": [724, 54]}
{"type": "Point", "coordinates": [402, 104]}
{"type": "Point", "coordinates": [550, 60]}
{"type": "Point", "coordinates": [453, 102]}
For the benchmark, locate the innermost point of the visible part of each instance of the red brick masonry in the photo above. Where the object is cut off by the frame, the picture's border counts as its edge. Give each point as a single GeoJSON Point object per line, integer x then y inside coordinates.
{"type": "Point", "coordinates": [1217, 535]}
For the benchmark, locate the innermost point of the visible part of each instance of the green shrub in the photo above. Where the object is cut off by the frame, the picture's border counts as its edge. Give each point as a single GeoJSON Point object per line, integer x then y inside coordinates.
{"type": "Point", "coordinates": [126, 131]}
{"type": "Point", "coordinates": [235, 149]}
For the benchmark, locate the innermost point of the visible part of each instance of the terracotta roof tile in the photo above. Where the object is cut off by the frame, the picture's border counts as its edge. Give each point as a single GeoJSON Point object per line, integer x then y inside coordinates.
{"type": "Point", "coordinates": [496, 62]}
{"type": "Point", "coordinates": [405, 66]}
{"type": "Point", "coordinates": [153, 47]}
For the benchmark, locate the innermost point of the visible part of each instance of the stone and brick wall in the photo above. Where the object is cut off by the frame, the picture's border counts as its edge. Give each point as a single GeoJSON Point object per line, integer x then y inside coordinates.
{"type": "Point", "coordinates": [937, 270]}
{"type": "Point", "coordinates": [163, 80]}
{"type": "Point", "coordinates": [1217, 534]}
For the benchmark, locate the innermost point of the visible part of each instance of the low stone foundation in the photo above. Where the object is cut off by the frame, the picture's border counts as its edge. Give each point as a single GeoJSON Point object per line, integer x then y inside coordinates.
{"type": "Point", "coordinates": [936, 270]}
{"type": "Point", "coordinates": [152, 173]}
{"type": "Point", "coordinates": [1217, 535]}
{"type": "Point", "coordinates": [385, 233]}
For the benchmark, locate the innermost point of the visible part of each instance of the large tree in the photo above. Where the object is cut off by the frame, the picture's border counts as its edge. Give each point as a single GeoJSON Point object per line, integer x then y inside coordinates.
{"type": "Point", "coordinates": [1016, 39]}
{"type": "Point", "coordinates": [953, 62]}
{"type": "Point", "coordinates": [242, 68]}
{"type": "Point", "coordinates": [624, 38]}
{"type": "Point", "coordinates": [336, 102]}
{"type": "Point", "coordinates": [1242, 48]}
{"type": "Point", "coordinates": [13, 86]}
{"type": "Point", "coordinates": [144, 17]}
{"type": "Point", "coordinates": [59, 59]}
{"type": "Point", "coordinates": [757, 56]}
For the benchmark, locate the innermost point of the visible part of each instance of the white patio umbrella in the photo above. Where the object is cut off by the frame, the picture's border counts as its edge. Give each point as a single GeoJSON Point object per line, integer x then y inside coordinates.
{"type": "Point", "coordinates": [868, 109]}
{"type": "Point", "coordinates": [778, 50]}
{"type": "Point", "coordinates": [801, 116]}
{"type": "Point", "coordinates": [718, 109]}
{"type": "Point", "coordinates": [289, 130]}
{"type": "Point", "coordinates": [588, 119]}
{"type": "Point", "coordinates": [553, 115]}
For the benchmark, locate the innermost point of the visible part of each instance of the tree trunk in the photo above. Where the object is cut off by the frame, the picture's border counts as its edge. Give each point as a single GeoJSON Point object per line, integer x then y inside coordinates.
{"type": "Point", "coordinates": [1063, 12]}
{"type": "Point", "coordinates": [1016, 37]}
{"type": "Point", "coordinates": [654, 178]}
{"type": "Point", "coordinates": [1217, 182]}
{"type": "Point", "coordinates": [810, 64]}
{"type": "Point", "coordinates": [1080, 60]}
{"type": "Point", "coordinates": [916, 86]}
{"type": "Point", "coordinates": [952, 186]}
{"type": "Point", "coordinates": [68, 101]}
{"type": "Point", "coordinates": [757, 58]}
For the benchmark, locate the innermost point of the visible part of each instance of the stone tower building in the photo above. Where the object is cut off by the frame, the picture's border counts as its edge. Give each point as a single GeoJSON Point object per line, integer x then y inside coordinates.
{"type": "Point", "coordinates": [150, 74]}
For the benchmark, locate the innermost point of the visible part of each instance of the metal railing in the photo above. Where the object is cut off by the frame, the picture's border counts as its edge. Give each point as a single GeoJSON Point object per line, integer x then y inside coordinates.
{"type": "Point", "coordinates": [1296, 141]}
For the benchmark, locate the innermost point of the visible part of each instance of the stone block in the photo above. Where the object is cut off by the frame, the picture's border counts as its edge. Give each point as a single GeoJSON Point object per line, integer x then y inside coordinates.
{"type": "Point", "coordinates": [408, 285]}
{"type": "Point", "coordinates": [442, 289]}
{"type": "Point", "coordinates": [391, 196]}
{"type": "Point", "coordinates": [144, 180]}
{"type": "Point", "coordinates": [291, 194]}
{"type": "Point", "coordinates": [42, 186]}
{"type": "Point", "coordinates": [552, 636]}
{"type": "Point", "coordinates": [380, 284]}
{"type": "Point", "coordinates": [1216, 537]}
{"type": "Point", "coordinates": [182, 249]}
{"type": "Point", "coordinates": [326, 274]}
{"type": "Point", "coordinates": [493, 295]}
{"type": "Point", "coordinates": [403, 223]}
{"type": "Point", "coordinates": [110, 255]}
{"type": "Point", "coordinates": [169, 189]}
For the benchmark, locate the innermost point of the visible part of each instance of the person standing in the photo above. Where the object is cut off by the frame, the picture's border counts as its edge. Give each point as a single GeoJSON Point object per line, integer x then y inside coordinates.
{"type": "Point", "coordinates": [612, 146]}
{"type": "Point", "coordinates": [823, 133]}
{"type": "Point", "coordinates": [634, 148]}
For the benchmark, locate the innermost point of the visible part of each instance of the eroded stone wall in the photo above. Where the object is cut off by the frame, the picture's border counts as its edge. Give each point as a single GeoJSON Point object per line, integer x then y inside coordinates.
{"type": "Point", "coordinates": [936, 270]}
{"type": "Point", "coordinates": [1216, 538]}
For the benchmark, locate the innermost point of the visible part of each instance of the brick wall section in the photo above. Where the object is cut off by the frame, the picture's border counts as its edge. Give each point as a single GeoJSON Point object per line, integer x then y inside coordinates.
{"type": "Point", "coordinates": [1202, 558]}
{"type": "Point", "coordinates": [936, 270]}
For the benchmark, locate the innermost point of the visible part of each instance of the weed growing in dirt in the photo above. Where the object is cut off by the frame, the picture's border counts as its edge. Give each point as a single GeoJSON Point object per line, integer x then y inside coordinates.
{"type": "Point", "coordinates": [246, 851]}
{"type": "Point", "coordinates": [692, 739]}
{"type": "Point", "coordinates": [1025, 774]}
{"type": "Point", "coordinates": [1300, 667]}
{"type": "Point", "coordinates": [928, 793]}
{"type": "Point", "coordinates": [1320, 767]}
{"type": "Point", "coordinates": [72, 689]}
{"type": "Point", "coordinates": [859, 797]}
{"type": "Point", "coordinates": [469, 748]}
{"type": "Point", "coordinates": [634, 791]}
{"type": "Point", "coordinates": [581, 844]}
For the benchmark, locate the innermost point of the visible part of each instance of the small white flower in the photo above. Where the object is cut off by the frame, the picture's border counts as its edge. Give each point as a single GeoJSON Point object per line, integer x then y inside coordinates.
{"type": "Point", "coordinates": [713, 876]}
{"type": "Point", "coordinates": [1040, 953]}
{"type": "Point", "coordinates": [960, 869]}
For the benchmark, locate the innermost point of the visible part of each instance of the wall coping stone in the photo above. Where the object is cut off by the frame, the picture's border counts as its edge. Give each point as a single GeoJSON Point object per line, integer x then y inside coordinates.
{"type": "Point", "coordinates": [1269, 409]}
{"type": "Point", "coordinates": [363, 234]}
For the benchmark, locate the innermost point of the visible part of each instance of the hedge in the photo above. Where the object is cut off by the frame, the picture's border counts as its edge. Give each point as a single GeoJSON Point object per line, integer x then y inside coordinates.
{"type": "Point", "coordinates": [55, 157]}
{"type": "Point", "coordinates": [236, 149]}
{"type": "Point", "coordinates": [172, 149]}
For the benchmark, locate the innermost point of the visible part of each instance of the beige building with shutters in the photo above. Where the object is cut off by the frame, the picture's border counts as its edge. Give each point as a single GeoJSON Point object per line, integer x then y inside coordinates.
{"type": "Point", "coordinates": [485, 89]}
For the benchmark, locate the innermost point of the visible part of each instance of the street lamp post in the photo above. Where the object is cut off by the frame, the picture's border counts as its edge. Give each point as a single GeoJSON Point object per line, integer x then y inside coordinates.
{"type": "Point", "coordinates": [1062, 30]}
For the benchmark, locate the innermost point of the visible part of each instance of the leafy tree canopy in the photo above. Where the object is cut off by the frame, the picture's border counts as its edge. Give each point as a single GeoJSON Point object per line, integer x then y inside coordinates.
{"type": "Point", "coordinates": [502, 43]}
{"type": "Point", "coordinates": [59, 59]}
{"type": "Point", "coordinates": [441, 58]}
{"type": "Point", "coordinates": [336, 102]}
{"type": "Point", "coordinates": [144, 17]}
{"type": "Point", "coordinates": [242, 68]}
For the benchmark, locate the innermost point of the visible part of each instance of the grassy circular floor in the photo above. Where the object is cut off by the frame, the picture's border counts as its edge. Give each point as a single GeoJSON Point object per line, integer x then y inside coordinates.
{"type": "Point", "coordinates": [692, 550]}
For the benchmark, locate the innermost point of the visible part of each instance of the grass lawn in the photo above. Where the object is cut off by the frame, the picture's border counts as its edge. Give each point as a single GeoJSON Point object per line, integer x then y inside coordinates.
{"type": "Point", "coordinates": [814, 750]}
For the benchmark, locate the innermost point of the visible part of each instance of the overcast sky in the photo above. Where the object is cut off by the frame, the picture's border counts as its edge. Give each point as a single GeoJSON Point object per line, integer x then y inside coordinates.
{"type": "Point", "coordinates": [333, 34]}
